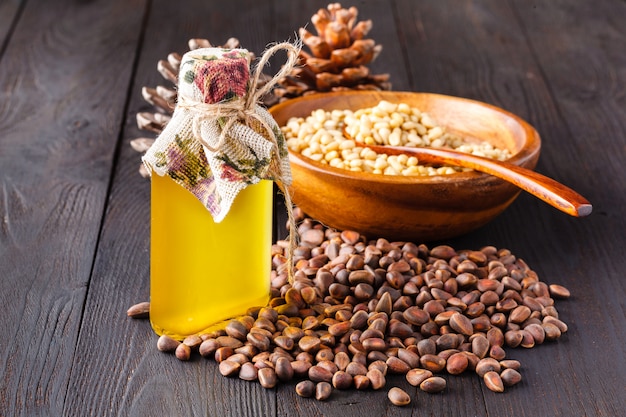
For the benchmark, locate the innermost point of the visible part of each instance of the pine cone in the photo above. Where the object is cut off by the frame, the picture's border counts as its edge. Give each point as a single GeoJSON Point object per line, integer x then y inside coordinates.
{"type": "Point", "coordinates": [338, 58]}
{"type": "Point", "coordinates": [164, 98]}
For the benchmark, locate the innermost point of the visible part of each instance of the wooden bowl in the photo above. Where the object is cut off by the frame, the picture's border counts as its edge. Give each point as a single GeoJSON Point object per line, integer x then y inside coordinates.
{"type": "Point", "coordinates": [415, 208]}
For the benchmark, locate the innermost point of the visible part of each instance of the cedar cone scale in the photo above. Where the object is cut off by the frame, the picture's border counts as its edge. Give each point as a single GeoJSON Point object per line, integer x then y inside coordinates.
{"type": "Point", "coordinates": [338, 56]}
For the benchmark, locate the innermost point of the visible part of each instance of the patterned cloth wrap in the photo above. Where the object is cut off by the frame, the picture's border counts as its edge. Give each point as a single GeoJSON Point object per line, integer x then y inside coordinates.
{"type": "Point", "coordinates": [193, 149]}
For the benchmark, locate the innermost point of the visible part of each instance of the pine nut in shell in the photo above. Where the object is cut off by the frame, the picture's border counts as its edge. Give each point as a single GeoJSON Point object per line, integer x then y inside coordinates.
{"type": "Point", "coordinates": [457, 363]}
{"type": "Point", "coordinates": [248, 372]}
{"type": "Point", "coordinates": [342, 380]}
{"type": "Point", "coordinates": [376, 378]}
{"type": "Point", "coordinates": [139, 310]}
{"type": "Point", "coordinates": [320, 374]}
{"type": "Point", "coordinates": [167, 344]}
{"type": "Point", "coordinates": [399, 397]}
{"type": "Point", "coordinates": [323, 390]}
{"type": "Point", "coordinates": [267, 378]}
{"type": "Point", "coordinates": [183, 352]}
{"type": "Point", "coordinates": [229, 368]}
{"type": "Point", "coordinates": [416, 376]}
{"type": "Point", "coordinates": [551, 331]}
{"type": "Point", "coordinates": [432, 363]}
{"type": "Point", "coordinates": [493, 381]}
{"type": "Point", "coordinates": [559, 291]}
{"type": "Point", "coordinates": [487, 365]}
{"type": "Point", "coordinates": [361, 382]}
{"type": "Point", "coordinates": [510, 377]}
{"type": "Point", "coordinates": [305, 388]}
{"type": "Point", "coordinates": [433, 384]}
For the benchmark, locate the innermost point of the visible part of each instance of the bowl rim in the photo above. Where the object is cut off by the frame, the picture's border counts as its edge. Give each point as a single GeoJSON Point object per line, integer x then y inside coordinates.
{"type": "Point", "coordinates": [524, 156]}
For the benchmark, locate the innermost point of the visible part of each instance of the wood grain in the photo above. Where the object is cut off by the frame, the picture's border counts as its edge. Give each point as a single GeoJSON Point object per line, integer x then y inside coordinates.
{"type": "Point", "coordinates": [552, 243]}
{"type": "Point", "coordinates": [56, 153]}
{"type": "Point", "coordinates": [74, 212]}
{"type": "Point", "coordinates": [587, 149]}
{"type": "Point", "coordinates": [9, 16]}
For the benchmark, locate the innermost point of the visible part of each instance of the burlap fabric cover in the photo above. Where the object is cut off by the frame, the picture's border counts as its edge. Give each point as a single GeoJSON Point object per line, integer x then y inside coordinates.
{"type": "Point", "coordinates": [210, 146]}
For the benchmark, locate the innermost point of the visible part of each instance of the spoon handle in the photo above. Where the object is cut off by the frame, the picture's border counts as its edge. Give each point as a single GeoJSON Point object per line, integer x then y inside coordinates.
{"type": "Point", "coordinates": [542, 187]}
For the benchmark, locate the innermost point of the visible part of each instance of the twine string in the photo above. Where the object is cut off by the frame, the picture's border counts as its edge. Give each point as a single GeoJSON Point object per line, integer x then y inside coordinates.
{"type": "Point", "coordinates": [243, 110]}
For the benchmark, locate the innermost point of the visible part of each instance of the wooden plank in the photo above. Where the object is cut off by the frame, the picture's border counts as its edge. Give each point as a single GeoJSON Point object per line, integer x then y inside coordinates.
{"type": "Point", "coordinates": [60, 119]}
{"type": "Point", "coordinates": [9, 15]}
{"type": "Point", "coordinates": [583, 65]}
{"type": "Point", "coordinates": [505, 54]}
{"type": "Point", "coordinates": [120, 361]}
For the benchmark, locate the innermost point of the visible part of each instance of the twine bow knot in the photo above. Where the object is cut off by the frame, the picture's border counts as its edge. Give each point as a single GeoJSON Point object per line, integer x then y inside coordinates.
{"type": "Point", "coordinates": [240, 108]}
{"type": "Point", "coordinates": [243, 109]}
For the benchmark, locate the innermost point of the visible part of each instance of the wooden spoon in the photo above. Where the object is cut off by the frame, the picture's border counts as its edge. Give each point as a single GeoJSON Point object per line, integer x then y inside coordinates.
{"type": "Point", "coordinates": [547, 189]}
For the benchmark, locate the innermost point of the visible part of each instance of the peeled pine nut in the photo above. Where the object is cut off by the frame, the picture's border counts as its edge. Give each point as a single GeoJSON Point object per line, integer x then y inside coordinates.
{"type": "Point", "coordinates": [320, 137]}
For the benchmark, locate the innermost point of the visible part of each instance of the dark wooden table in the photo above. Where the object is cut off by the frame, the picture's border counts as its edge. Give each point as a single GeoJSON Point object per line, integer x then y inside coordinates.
{"type": "Point", "coordinates": [74, 213]}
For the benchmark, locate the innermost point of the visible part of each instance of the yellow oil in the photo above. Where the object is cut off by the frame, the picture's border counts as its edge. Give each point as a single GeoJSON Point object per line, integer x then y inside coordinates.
{"type": "Point", "coordinates": [202, 272]}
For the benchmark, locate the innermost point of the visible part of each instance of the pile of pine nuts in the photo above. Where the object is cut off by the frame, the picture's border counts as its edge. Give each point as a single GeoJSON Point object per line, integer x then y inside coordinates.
{"type": "Point", "coordinates": [321, 137]}
{"type": "Point", "coordinates": [361, 310]}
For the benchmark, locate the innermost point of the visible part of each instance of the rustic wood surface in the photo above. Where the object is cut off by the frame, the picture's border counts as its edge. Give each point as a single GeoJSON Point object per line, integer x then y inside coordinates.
{"type": "Point", "coordinates": [74, 213]}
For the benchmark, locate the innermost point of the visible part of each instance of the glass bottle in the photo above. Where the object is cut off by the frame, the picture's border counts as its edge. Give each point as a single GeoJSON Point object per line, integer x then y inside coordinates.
{"type": "Point", "coordinates": [212, 169]}
{"type": "Point", "coordinates": [202, 272]}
